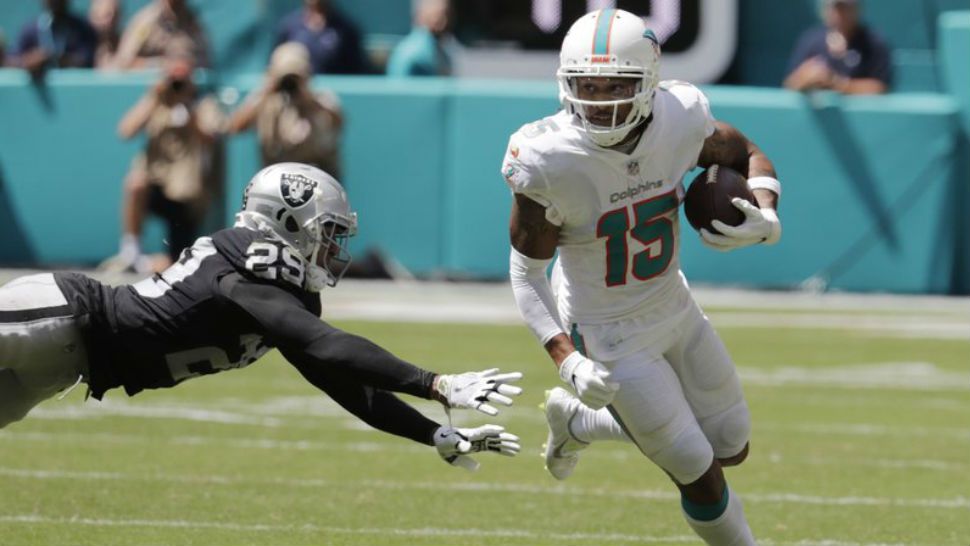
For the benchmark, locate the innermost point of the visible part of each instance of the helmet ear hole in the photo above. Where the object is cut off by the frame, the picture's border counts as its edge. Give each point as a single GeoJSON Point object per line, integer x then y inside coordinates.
{"type": "Point", "coordinates": [291, 225]}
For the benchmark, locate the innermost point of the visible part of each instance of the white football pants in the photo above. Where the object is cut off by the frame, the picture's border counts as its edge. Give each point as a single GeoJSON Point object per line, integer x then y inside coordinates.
{"type": "Point", "coordinates": [41, 349]}
{"type": "Point", "coordinates": [680, 401]}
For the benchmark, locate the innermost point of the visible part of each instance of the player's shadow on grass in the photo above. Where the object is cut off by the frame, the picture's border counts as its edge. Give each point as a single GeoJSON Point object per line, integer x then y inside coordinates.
{"type": "Point", "coordinates": [14, 248]}
{"type": "Point", "coordinates": [827, 112]}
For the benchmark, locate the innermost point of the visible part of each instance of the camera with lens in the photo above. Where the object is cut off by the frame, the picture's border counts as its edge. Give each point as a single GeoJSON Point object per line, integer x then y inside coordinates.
{"type": "Point", "coordinates": [289, 83]}
{"type": "Point", "coordinates": [177, 85]}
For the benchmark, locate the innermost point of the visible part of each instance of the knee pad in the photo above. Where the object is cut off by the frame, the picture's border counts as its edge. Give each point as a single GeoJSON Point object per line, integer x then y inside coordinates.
{"type": "Point", "coordinates": [687, 458]}
{"type": "Point", "coordinates": [728, 431]}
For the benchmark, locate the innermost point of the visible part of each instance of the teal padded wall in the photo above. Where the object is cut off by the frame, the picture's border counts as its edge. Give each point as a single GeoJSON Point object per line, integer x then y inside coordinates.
{"type": "Point", "coordinates": [875, 187]}
{"type": "Point", "coordinates": [483, 116]}
{"type": "Point", "coordinates": [954, 39]}
{"type": "Point", "coordinates": [62, 165]}
{"type": "Point", "coordinates": [866, 184]}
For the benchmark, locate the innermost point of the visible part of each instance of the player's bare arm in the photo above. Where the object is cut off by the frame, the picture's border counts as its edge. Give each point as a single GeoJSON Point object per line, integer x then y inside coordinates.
{"type": "Point", "coordinates": [728, 146]}
{"type": "Point", "coordinates": [531, 233]}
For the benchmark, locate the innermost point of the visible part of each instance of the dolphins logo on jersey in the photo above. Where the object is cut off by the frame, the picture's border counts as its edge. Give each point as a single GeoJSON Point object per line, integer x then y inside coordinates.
{"type": "Point", "coordinates": [296, 189]}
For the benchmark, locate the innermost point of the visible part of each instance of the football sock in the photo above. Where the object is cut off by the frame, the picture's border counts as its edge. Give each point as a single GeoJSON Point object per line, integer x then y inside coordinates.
{"type": "Point", "coordinates": [596, 425]}
{"type": "Point", "coordinates": [721, 524]}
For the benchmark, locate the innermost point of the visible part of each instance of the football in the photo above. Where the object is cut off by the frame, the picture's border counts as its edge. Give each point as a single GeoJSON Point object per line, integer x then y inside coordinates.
{"type": "Point", "coordinates": [709, 197]}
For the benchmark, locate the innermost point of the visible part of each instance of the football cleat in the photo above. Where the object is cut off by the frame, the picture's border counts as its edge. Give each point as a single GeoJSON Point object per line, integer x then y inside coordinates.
{"type": "Point", "coordinates": [561, 450]}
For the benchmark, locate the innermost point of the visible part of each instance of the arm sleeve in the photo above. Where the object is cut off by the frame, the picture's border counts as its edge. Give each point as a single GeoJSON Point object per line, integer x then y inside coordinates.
{"type": "Point", "coordinates": [533, 295]}
{"type": "Point", "coordinates": [308, 343]}
{"type": "Point", "coordinates": [379, 409]}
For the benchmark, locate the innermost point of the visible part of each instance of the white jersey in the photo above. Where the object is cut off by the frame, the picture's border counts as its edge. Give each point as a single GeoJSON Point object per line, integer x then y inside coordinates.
{"type": "Point", "coordinates": [618, 212]}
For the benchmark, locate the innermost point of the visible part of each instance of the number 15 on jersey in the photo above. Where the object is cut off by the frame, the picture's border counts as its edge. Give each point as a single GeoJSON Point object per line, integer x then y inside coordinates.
{"type": "Point", "coordinates": [651, 227]}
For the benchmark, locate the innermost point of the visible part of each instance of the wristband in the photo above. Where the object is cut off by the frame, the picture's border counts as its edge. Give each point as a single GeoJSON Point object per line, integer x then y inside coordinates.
{"type": "Point", "coordinates": [765, 183]}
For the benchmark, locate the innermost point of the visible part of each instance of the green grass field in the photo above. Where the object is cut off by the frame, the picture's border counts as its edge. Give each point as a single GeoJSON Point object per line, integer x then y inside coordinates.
{"type": "Point", "coordinates": [861, 437]}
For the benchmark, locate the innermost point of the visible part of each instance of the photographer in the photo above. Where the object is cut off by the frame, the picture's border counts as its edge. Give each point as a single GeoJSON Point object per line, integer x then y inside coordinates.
{"type": "Point", "coordinates": [169, 177]}
{"type": "Point", "coordinates": [293, 123]}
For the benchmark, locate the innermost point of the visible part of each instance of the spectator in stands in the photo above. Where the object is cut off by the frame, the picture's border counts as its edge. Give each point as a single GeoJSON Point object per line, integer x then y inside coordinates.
{"type": "Point", "coordinates": [843, 55]}
{"type": "Point", "coordinates": [55, 39]}
{"type": "Point", "coordinates": [294, 124]}
{"type": "Point", "coordinates": [424, 52]}
{"type": "Point", "coordinates": [3, 49]}
{"type": "Point", "coordinates": [158, 29]}
{"type": "Point", "coordinates": [333, 40]}
{"type": "Point", "coordinates": [169, 178]}
{"type": "Point", "coordinates": [105, 16]}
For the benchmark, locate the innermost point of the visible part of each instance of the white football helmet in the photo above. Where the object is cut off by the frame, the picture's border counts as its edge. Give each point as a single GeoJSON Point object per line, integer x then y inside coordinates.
{"type": "Point", "coordinates": [308, 210]}
{"type": "Point", "coordinates": [616, 44]}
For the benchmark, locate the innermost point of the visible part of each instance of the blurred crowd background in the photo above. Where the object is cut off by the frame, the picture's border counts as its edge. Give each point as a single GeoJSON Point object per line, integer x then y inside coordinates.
{"type": "Point", "coordinates": [129, 127]}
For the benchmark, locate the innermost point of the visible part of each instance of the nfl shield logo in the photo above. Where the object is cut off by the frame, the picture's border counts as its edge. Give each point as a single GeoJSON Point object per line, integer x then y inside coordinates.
{"type": "Point", "coordinates": [296, 189]}
{"type": "Point", "coordinates": [633, 168]}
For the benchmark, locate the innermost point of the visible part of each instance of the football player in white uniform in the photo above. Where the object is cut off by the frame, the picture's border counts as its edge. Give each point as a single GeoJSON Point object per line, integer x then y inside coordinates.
{"type": "Point", "coordinates": [601, 181]}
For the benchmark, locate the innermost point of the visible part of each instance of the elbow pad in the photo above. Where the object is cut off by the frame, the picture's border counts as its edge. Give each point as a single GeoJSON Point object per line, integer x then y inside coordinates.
{"type": "Point", "coordinates": [533, 295]}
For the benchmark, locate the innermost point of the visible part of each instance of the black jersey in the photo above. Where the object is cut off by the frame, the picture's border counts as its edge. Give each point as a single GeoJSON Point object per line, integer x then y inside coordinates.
{"type": "Point", "coordinates": [228, 300]}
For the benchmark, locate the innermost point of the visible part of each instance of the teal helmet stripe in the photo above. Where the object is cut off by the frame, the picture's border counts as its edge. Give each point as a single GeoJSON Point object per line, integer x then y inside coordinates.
{"type": "Point", "coordinates": [601, 39]}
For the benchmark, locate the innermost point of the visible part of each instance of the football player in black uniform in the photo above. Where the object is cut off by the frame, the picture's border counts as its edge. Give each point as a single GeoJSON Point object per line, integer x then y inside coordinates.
{"type": "Point", "coordinates": [229, 299]}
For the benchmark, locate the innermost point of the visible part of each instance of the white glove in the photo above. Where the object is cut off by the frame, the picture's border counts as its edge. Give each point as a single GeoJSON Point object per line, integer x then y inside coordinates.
{"type": "Point", "coordinates": [589, 379]}
{"type": "Point", "coordinates": [475, 389]}
{"type": "Point", "coordinates": [759, 226]}
{"type": "Point", "coordinates": [455, 443]}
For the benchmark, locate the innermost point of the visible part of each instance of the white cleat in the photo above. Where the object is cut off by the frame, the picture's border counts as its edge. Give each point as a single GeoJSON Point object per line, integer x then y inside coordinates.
{"type": "Point", "coordinates": [561, 448]}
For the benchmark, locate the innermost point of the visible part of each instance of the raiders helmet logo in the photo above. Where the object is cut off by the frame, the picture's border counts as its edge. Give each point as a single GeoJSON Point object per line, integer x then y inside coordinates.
{"type": "Point", "coordinates": [296, 189]}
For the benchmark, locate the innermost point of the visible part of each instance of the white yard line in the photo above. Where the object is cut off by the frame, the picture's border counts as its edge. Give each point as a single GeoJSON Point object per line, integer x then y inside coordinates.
{"type": "Point", "coordinates": [413, 532]}
{"type": "Point", "coordinates": [953, 503]}
{"type": "Point", "coordinates": [385, 531]}
{"type": "Point", "coordinates": [868, 429]}
{"type": "Point", "coordinates": [606, 451]}
{"type": "Point", "coordinates": [160, 412]}
{"type": "Point", "coordinates": [916, 376]}
{"type": "Point", "coordinates": [428, 532]}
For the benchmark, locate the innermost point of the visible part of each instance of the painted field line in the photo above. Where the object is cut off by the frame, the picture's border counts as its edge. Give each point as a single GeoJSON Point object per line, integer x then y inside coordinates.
{"type": "Point", "coordinates": [234, 442]}
{"type": "Point", "coordinates": [868, 429]}
{"type": "Point", "coordinates": [385, 531]}
{"type": "Point", "coordinates": [954, 503]}
{"type": "Point", "coordinates": [908, 376]}
{"type": "Point", "coordinates": [606, 451]}
{"type": "Point", "coordinates": [920, 327]}
{"type": "Point", "coordinates": [427, 532]}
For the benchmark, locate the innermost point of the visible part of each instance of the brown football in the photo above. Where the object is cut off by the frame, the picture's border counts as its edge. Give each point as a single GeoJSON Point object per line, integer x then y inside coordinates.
{"type": "Point", "coordinates": [709, 197]}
